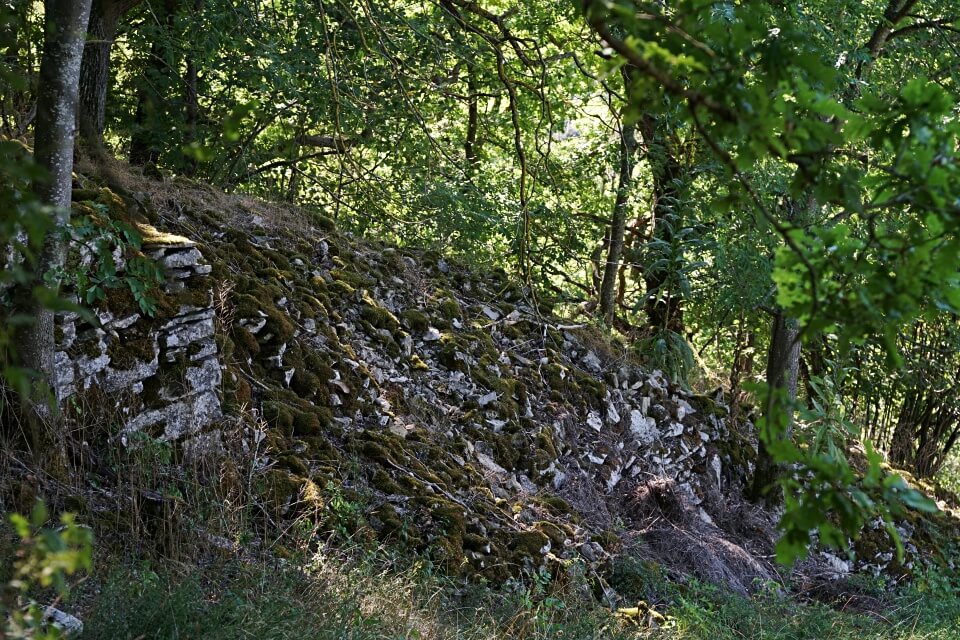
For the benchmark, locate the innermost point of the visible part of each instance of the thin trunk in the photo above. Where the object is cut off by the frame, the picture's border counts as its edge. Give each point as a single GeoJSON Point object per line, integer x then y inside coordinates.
{"type": "Point", "coordinates": [65, 28]}
{"type": "Point", "coordinates": [473, 121]}
{"type": "Point", "coordinates": [293, 187]}
{"type": "Point", "coordinates": [144, 150]}
{"type": "Point", "coordinates": [14, 101]}
{"type": "Point", "coordinates": [904, 434]}
{"type": "Point", "coordinates": [95, 69]}
{"type": "Point", "coordinates": [742, 368]}
{"type": "Point", "coordinates": [608, 285]}
{"type": "Point", "coordinates": [783, 363]}
{"type": "Point", "coordinates": [192, 99]}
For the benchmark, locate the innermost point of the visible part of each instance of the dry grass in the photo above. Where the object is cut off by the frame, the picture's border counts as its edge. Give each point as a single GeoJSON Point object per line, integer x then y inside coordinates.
{"type": "Point", "coordinates": [171, 198]}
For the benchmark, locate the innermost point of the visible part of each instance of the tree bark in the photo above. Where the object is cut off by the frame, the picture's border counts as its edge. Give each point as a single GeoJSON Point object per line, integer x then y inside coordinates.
{"type": "Point", "coordinates": [95, 69]}
{"type": "Point", "coordinates": [57, 98]}
{"type": "Point", "coordinates": [663, 306]}
{"type": "Point", "coordinates": [618, 222]}
{"type": "Point", "coordinates": [783, 364]}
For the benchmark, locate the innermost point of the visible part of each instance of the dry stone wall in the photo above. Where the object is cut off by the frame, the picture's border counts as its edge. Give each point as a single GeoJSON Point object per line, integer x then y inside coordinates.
{"type": "Point", "coordinates": [162, 373]}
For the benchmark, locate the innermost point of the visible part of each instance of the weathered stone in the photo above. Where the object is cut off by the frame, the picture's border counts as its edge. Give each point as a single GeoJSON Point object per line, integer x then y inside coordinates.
{"type": "Point", "coordinates": [254, 325]}
{"type": "Point", "coordinates": [183, 335]}
{"type": "Point", "coordinates": [124, 323]}
{"type": "Point", "coordinates": [203, 348]}
{"type": "Point", "coordinates": [187, 315]}
{"type": "Point", "coordinates": [88, 367]}
{"type": "Point", "coordinates": [644, 429]}
{"type": "Point", "coordinates": [180, 418]}
{"type": "Point", "coordinates": [70, 626]}
{"type": "Point", "coordinates": [206, 377]}
{"type": "Point", "coordinates": [180, 258]}
{"type": "Point", "coordinates": [119, 379]}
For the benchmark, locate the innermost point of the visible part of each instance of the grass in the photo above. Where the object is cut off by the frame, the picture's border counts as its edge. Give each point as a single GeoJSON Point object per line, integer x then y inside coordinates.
{"type": "Point", "coordinates": [911, 615]}
{"type": "Point", "coordinates": [330, 596]}
{"type": "Point", "coordinates": [374, 596]}
{"type": "Point", "coordinates": [927, 610]}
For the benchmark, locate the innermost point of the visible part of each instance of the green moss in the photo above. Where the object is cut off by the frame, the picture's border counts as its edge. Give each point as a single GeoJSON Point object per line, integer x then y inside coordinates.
{"type": "Point", "coordinates": [557, 535]}
{"type": "Point", "coordinates": [322, 221]}
{"type": "Point", "coordinates": [196, 295]}
{"type": "Point", "coordinates": [476, 542]}
{"type": "Point", "coordinates": [447, 356]}
{"type": "Point", "coordinates": [450, 308]}
{"type": "Point", "coordinates": [382, 481]}
{"type": "Point", "coordinates": [555, 505]}
{"type": "Point", "coordinates": [376, 451]}
{"type": "Point", "coordinates": [245, 340]}
{"type": "Point", "coordinates": [238, 394]}
{"type": "Point", "coordinates": [278, 415]}
{"type": "Point", "coordinates": [378, 316]}
{"type": "Point", "coordinates": [448, 546]}
{"type": "Point", "coordinates": [306, 423]}
{"type": "Point", "coordinates": [120, 302]}
{"type": "Point", "coordinates": [415, 320]}
{"type": "Point", "coordinates": [278, 487]}
{"type": "Point", "coordinates": [608, 539]}
{"type": "Point", "coordinates": [124, 354]}
{"type": "Point", "coordinates": [411, 486]}
{"type": "Point", "coordinates": [305, 384]}
{"type": "Point", "coordinates": [294, 464]}
{"type": "Point", "coordinates": [546, 444]}
{"type": "Point", "coordinates": [709, 406]}
{"type": "Point", "coordinates": [351, 278]}
{"type": "Point", "coordinates": [529, 543]}
{"type": "Point", "coordinates": [341, 289]}
{"type": "Point", "coordinates": [278, 259]}
{"type": "Point", "coordinates": [321, 450]}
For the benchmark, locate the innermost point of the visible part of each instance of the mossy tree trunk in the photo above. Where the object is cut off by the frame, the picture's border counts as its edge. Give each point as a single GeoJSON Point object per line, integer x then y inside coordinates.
{"type": "Point", "coordinates": [663, 303]}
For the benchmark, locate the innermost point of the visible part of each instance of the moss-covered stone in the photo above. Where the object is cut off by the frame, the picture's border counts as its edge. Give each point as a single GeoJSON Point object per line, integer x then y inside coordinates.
{"type": "Point", "coordinates": [306, 423]}
{"type": "Point", "coordinates": [450, 308]}
{"type": "Point", "coordinates": [529, 543]}
{"type": "Point", "coordinates": [417, 363]}
{"type": "Point", "coordinates": [415, 320]}
{"type": "Point", "coordinates": [378, 316]}
{"type": "Point", "coordinates": [125, 354]}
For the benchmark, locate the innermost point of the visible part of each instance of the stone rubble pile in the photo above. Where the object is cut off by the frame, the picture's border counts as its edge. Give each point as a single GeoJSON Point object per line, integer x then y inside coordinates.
{"type": "Point", "coordinates": [474, 427]}
{"type": "Point", "coordinates": [517, 406]}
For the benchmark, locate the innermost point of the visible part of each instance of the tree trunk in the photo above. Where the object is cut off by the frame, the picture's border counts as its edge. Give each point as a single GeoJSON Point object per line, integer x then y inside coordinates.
{"type": "Point", "coordinates": [783, 362]}
{"type": "Point", "coordinates": [15, 110]}
{"type": "Point", "coordinates": [473, 121]}
{"type": "Point", "coordinates": [95, 70]}
{"type": "Point", "coordinates": [618, 222]}
{"type": "Point", "coordinates": [57, 97]}
{"type": "Point", "coordinates": [663, 306]}
{"type": "Point", "coordinates": [742, 367]}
